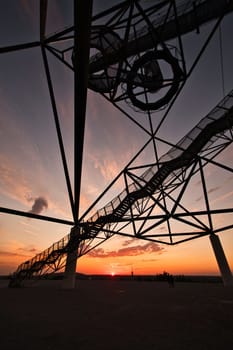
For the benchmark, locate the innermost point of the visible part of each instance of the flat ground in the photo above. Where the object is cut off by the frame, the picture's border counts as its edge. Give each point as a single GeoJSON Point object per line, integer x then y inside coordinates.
{"type": "Point", "coordinates": [117, 315]}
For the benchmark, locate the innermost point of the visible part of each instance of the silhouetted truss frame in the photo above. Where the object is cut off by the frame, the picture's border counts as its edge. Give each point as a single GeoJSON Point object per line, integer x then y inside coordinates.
{"type": "Point", "coordinates": [139, 218]}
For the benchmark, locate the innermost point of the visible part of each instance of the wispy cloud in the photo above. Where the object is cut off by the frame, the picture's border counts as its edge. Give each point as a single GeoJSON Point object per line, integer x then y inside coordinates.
{"type": "Point", "coordinates": [30, 8]}
{"type": "Point", "coordinates": [128, 242]}
{"type": "Point", "coordinates": [213, 189]}
{"type": "Point", "coordinates": [108, 168]}
{"type": "Point", "coordinates": [20, 252]}
{"type": "Point", "coordinates": [29, 227]}
{"type": "Point", "coordinates": [13, 182]}
{"type": "Point", "coordinates": [229, 179]}
{"type": "Point", "coordinates": [135, 250]}
{"type": "Point", "coordinates": [55, 15]}
{"type": "Point", "coordinates": [199, 199]}
{"type": "Point", "coordinates": [11, 254]}
{"type": "Point", "coordinates": [110, 145]}
{"type": "Point", "coordinates": [149, 260]}
{"type": "Point", "coordinates": [223, 197]}
{"type": "Point", "coordinates": [28, 249]}
{"type": "Point", "coordinates": [15, 185]}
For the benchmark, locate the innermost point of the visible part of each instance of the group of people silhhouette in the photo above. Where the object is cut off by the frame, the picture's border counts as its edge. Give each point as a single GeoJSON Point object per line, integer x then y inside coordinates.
{"type": "Point", "coordinates": [169, 278]}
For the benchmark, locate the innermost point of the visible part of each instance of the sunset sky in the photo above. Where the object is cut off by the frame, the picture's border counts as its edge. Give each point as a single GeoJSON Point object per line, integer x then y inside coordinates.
{"type": "Point", "coordinates": [31, 173]}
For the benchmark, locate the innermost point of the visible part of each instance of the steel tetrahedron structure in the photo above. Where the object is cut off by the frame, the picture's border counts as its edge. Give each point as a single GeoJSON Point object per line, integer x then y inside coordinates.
{"type": "Point", "coordinates": [127, 54]}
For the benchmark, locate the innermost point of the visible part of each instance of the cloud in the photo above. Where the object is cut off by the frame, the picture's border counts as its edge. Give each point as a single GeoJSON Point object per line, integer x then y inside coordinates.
{"type": "Point", "coordinates": [135, 250]}
{"type": "Point", "coordinates": [22, 252]}
{"type": "Point", "coordinates": [15, 248]}
{"type": "Point", "coordinates": [40, 203]}
{"type": "Point", "coordinates": [57, 15]}
{"type": "Point", "coordinates": [30, 250]}
{"type": "Point", "coordinates": [11, 254]}
{"type": "Point", "coordinates": [198, 183]}
{"type": "Point", "coordinates": [102, 162]}
{"type": "Point", "coordinates": [29, 9]}
{"type": "Point", "coordinates": [117, 145]}
{"type": "Point", "coordinates": [229, 179]}
{"type": "Point", "coordinates": [199, 198]}
{"type": "Point", "coordinates": [149, 260]}
{"type": "Point", "coordinates": [16, 184]}
{"type": "Point", "coordinates": [213, 189]}
{"type": "Point", "coordinates": [9, 186]}
{"type": "Point", "coordinates": [127, 242]}
{"type": "Point", "coordinates": [223, 197]}
{"type": "Point", "coordinates": [107, 167]}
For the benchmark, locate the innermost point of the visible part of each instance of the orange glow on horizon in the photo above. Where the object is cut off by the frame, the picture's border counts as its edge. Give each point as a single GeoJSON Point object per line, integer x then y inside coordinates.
{"type": "Point", "coordinates": [115, 258]}
{"type": "Point", "coordinates": [122, 266]}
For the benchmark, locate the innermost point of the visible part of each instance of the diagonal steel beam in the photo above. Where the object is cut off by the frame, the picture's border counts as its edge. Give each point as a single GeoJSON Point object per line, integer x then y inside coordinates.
{"type": "Point", "coordinates": [58, 128]}
{"type": "Point", "coordinates": [11, 48]}
{"type": "Point", "coordinates": [35, 216]}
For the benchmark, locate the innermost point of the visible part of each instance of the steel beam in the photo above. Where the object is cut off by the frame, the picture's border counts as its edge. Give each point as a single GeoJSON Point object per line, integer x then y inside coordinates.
{"type": "Point", "coordinates": [35, 216]}
{"type": "Point", "coordinates": [221, 260]}
{"type": "Point", "coordinates": [11, 48]}
{"type": "Point", "coordinates": [43, 15]}
{"type": "Point", "coordinates": [206, 11]}
{"type": "Point", "coordinates": [82, 23]}
{"type": "Point", "coordinates": [58, 130]}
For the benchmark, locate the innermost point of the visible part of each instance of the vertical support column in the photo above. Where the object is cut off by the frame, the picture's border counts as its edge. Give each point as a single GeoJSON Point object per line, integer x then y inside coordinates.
{"type": "Point", "coordinates": [70, 270]}
{"type": "Point", "coordinates": [221, 260]}
{"type": "Point", "coordinates": [71, 259]}
{"type": "Point", "coordinates": [82, 25]}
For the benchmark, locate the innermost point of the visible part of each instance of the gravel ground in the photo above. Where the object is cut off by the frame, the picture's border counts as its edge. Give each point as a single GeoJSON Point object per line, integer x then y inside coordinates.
{"type": "Point", "coordinates": [117, 315]}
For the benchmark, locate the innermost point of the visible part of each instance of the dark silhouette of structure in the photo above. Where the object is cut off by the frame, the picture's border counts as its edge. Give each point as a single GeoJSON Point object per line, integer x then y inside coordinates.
{"type": "Point", "coordinates": [134, 63]}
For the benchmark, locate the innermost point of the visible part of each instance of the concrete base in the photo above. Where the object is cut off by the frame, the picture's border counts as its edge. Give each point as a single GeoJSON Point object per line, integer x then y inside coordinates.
{"type": "Point", "coordinates": [221, 260]}
{"type": "Point", "coordinates": [70, 271]}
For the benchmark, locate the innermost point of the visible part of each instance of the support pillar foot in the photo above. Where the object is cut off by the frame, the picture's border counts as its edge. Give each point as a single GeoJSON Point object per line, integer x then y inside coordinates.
{"type": "Point", "coordinates": [221, 260]}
